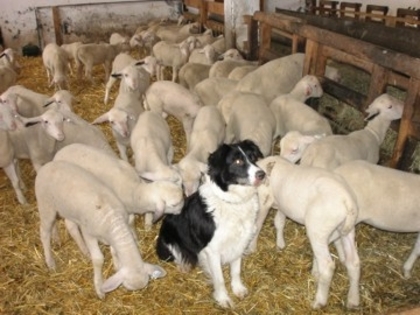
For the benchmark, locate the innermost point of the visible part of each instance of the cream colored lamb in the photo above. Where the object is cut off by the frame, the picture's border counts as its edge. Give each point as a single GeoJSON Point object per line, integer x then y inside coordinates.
{"type": "Point", "coordinates": [207, 134]}
{"type": "Point", "coordinates": [100, 215]}
{"type": "Point", "coordinates": [334, 150]}
{"type": "Point", "coordinates": [292, 113]}
{"type": "Point", "coordinates": [212, 90]}
{"type": "Point", "coordinates": [56, 61]}
{"type": "Point", "coordinates": [326, 205]}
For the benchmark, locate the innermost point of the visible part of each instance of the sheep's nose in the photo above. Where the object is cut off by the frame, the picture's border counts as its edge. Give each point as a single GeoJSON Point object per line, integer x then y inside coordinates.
{"type": "Point", "coordinates": [260, 175]}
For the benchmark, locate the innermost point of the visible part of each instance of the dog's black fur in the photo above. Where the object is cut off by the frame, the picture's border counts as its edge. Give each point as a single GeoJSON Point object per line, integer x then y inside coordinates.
{"type": "Point", "coordinates": [190, 231]}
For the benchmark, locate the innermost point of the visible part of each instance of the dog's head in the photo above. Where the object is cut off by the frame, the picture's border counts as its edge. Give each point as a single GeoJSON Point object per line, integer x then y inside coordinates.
{"type": "Point", "coordinates": [234, 164]}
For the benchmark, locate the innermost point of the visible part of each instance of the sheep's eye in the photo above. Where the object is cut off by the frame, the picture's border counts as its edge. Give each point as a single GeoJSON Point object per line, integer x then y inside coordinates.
{"type": "Point", "coordinates": [46, 122]}
{"type": "Point", "coordinates": [59, 102]}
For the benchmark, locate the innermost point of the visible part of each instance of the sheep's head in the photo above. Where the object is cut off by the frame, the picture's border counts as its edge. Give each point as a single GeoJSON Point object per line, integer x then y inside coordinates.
{"type": "Point", "coordinates": [385, 106]}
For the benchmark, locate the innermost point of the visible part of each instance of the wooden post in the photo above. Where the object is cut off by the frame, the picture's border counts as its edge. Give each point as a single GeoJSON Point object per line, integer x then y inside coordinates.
{"type": "Point", "coordinates": [57, 25]}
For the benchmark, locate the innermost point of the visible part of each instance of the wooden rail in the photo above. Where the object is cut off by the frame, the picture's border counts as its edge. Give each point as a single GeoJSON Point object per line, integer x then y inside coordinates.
{"type": "Point", "coordinates": [386, 66]}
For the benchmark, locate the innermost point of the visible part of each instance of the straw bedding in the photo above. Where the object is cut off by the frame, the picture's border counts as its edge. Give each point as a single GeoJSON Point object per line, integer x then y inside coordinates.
{"type": "Point", "coordinates": [279, 282]}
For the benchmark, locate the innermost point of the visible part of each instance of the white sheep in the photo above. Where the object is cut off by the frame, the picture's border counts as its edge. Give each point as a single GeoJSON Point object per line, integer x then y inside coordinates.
{"type": "Point", "coordinates": [173, 55]}
{"type": "Point", "coordinates": [89, 55]}
{"type": "Point", "coordinates": [239, 72]}
{"type": "Point", "coordinates": [137, 196]}
{"type": "Point", "coordinates": [334, 150]}
{"type": "Point", "coordinates": [292, 113]}
{"type": "Point", "coordinates": [121, 61]}
{"type": "Point", "coordinates": [117, 38]}
{"type": "Point", "coordinates": [170, 98]}
{"type": "Point", "coordinates": [8, 78]}
{"type": "Point", "coordinates": [191, 74]}
{"type": "Point", "coordinates": [277, 76]}
{"type": "Point", "coordinates": [144, 40]}
{"type": "Point", "coordinates": [212, 90]}
{"type": "Point", "coordinates": [153, 151]}
{"type": "Point", "coordinates": [8, 58]}
{"type": "Point", "coordinates": [122, 117]}
{"type": "Point", "coordinates": [206, 55]}
{"type": "Point", "coordinates": [44, 135]}
{"type": "Point", "coordinates": [56, 61]}
{"type": "Point", "coordinates": [109, 225]}
{"type": "Point", "coordinates": [250, 118]}
{"type": "Point", "coordinates": [388, 199]}
{"type": "Point", "coordinates": [326, 205]}
{"type": "Point", "coordinates": [207, 134]}
{"type": "Point", "coordinates": [63, 99]}
{"type": "Point", "coordinates": [219, 44]}
{"type": "Point", "coordinates": [231, 60]}
{"type": "Point", "coordinates": [177, 33]}
{"type": "Point", "coordinates": [70, 50]}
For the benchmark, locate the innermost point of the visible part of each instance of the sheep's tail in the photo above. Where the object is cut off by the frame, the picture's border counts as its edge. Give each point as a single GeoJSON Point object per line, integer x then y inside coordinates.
{"type": "Point", "coordinates": [146, 105]}
{"type": "Point", "coordinates": [351, 217]}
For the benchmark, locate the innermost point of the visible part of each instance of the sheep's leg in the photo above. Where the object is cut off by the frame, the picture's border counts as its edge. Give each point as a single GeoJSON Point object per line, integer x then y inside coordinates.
{"type": "Point", "coordinates": [161, 73]}
{"type": "Point", "coordinates": [107, 66]}
{"type": "Point", "coordinates": [48, 216]}
{"type": "Point", "coordinates": [409, 263]}
{"type": "Point", "coordinates": [265, 203]}
{"type": "Point", "coordinates": [238, 287]}
{"type": "Point", "coordinates": [279, 223]}
{"type": "Point", "coordinates": [122, 149]}
{"type": "Point", "coordinates": [115, 259]}
{"type": "Point", "coordinates": [108, 88]}
{"type": "Point", "coordinates": [212, 264]}
{"type": "Point", "coordinates": [97, 261]}
{"type": "Point", "coordinates": [148, 221]}
{"type": "Point", "coordinates": [352, 263]}
{"type": "Point", "coordinates": [319, 243]}
{"type": "Point", "coordinates": [74, 232]}
{"type": "Point", "coordinates": [19, 174]}
{"type": "Point", "coordinates": [187, 123]}
{"type": "Point", "coordinates": [15, 179]}
{"type": "Point", "coordinates": [170, 155]}
{"type": "Point", "coordinates": [174, 74]}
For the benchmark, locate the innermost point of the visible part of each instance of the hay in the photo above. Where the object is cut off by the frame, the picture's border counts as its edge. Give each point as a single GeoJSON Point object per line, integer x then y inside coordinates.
{"type": "Point", "coordinates": [279, 282]}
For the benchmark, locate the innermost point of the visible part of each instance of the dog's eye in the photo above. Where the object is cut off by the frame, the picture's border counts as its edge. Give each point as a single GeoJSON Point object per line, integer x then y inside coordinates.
{"type": "Point", "coordinates": [239, 162]}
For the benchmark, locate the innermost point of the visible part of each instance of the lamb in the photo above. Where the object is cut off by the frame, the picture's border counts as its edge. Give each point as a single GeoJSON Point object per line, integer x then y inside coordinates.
{"type": "Point", "coordinates": [177, 34]}
{"type": "Point", "coordinates": [144, 40]}
{"type": "Point", "coordinates": [44, 135]}
{"type": "Point", "coordinates": [207, 134]}
{"type": "Point", "coordinates": [251, 119]}
{"type": "Point", "coordinates": [211, 90]}
{"type": "Point", "coordinates": [122, 118]}
{"type": "Point", "coordinates": [28, 103]}
{"type": "Point", "coordinates": [8, 59]}
{"type": "Point", "coordinates": [110, 225]}
{"type": "Point", "coordinates": [206, 55]}
{"type": "Point", "coordinates": [292, 113]}
{"type": "Point", "coordinates": [70, 50]}
{"type": "Point", "coordinates": [173, 55]}
{"type": "Point", "coordinates": [387, 199]}
{"type": "Point", "coordinates": [328, 210]}
{"type": "Point", "coordinates": [137, 196]}
{"type": "Point", "coordinates": [334, 150]}
{"type": "Point", "coordinates": [219, 44]}
{"type": "Point", "coordinates": [117, 38]}
{"type": "Point", "coordinates": [239, 72]}
{"type": "Point", "coordinates": [231, 60]}
{"type": "Point", "coordinates": [8, 78]}
{"type": "Point", "coordinates": [153, 151]}
{"type": "Point", "coordinates": [89, 55]}
{"type": "Point", "coordinates": [191, 74]}
{"type": "Point", "coordinates": [276, 77]}
{"type": "Point", "coordinates": [56, 62]}
{"type": "Point", "coordinates": [170, 98]}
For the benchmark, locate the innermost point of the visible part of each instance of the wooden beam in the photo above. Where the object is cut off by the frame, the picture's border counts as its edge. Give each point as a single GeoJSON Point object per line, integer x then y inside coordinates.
{"type": "Point", "coordinates": [57, 25]}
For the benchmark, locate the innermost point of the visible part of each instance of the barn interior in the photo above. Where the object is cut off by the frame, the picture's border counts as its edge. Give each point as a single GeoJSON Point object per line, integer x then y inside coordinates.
{"type": "Point", "coordinates": [375, 48]}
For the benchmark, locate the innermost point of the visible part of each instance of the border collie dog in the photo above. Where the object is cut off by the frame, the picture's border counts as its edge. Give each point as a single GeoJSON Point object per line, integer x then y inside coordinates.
{"type": "Point", "coordinates": [217, 222]}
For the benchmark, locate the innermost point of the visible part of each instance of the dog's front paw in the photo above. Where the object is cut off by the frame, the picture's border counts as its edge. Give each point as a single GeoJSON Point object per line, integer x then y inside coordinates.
{"type": "Point", "coordinates": [223, 300]}
{"type": "Point", "coordinates": [239, 290]}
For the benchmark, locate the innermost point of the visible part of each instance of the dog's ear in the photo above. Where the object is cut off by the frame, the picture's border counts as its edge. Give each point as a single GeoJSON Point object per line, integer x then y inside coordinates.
{"type": "Point", "coordinates": [216, 163]}
{"type": "Point", "coordinates": [251, 149]}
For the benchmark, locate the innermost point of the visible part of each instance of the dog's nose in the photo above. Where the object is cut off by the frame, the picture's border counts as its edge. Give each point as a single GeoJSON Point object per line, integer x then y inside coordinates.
{"type": "Point", "coordinates": [260, 175]}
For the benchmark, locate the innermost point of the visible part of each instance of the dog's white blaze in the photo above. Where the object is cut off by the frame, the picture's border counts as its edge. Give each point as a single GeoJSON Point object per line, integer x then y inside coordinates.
{"type": "Point", "coordinates": [252, 169]}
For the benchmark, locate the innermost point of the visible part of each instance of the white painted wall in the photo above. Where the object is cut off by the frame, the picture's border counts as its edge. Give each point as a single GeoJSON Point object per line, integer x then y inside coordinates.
{"type": "Point", "coordinates": [91, 20]}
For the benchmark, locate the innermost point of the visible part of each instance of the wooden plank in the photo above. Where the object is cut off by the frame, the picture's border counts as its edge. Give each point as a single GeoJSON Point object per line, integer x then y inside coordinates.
{"type": "Point", "coordinates": [344, 57]}
{"type": "Point", "coordinates": [215, 7]}
{"type": "Point", "coordinates": [343, 93]}
{"type": "Point", "coordinates": [404, 40]}
{"type": "Point", "coordinates": [378, 83]}
{"type": "Point", "coordinates": [57, 25]}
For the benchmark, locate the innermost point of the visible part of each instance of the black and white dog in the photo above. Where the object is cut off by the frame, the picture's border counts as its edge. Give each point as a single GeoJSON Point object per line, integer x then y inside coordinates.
{"type": "Point", "coordinates": [217, 222]}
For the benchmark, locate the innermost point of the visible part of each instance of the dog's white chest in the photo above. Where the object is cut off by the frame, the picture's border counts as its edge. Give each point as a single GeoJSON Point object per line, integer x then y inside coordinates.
{"type": "Point", "coordinates": [235, 215]}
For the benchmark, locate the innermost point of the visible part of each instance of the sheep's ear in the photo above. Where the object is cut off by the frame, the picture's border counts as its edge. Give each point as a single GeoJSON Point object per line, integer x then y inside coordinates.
{"type": "Point", "coordinates": [31, 123]}
{"type": "Point", "coordinates": [116, 75]}
{"type": "Point", "coordinates": [139, 63]}
{"type": "Point", "coordinates": [112, 282]}
{"type": "Point", "coordinates": [154, 271]}
{"type": "Point", "coordinates": [48, 102]}
{"type": "Point", "coordinates": [101, 119]}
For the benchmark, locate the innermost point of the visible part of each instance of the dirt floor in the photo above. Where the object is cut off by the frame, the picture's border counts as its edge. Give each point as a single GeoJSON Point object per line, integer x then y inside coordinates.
{"type": "Point", "coordinates": [279, 281]}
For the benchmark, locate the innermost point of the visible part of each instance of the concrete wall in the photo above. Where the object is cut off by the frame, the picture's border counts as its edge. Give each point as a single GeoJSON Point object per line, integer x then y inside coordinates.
{"type": "Point", "coordinates": [31, 21]}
